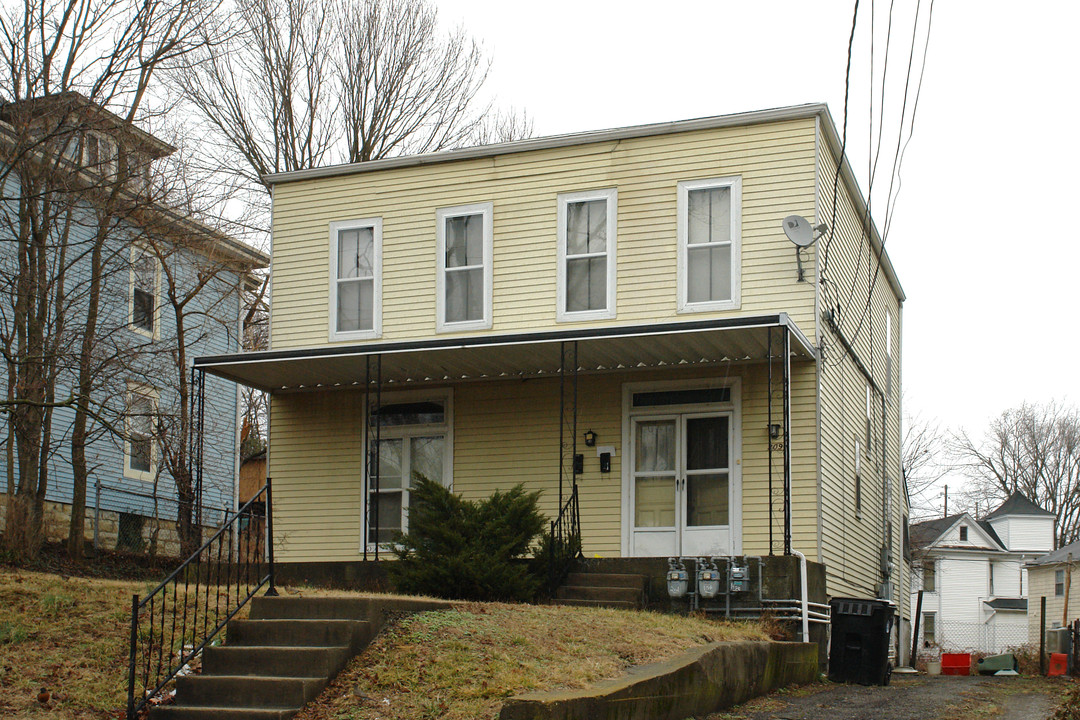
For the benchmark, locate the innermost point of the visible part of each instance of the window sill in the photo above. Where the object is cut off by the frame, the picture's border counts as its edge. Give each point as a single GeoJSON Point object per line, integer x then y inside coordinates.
{"type": "Point", "coordinates": [355, 335]}
{"type": "Point", "coordinates": [464, 325]}
{"type": "Point", "coordinates": [139, 475]}
{"type": "Point", "coordinates": [148, 334]}
{"type": "Point", "coordinates": [584, 315]}
{"type": "Point", "coordinates": [712, 306]}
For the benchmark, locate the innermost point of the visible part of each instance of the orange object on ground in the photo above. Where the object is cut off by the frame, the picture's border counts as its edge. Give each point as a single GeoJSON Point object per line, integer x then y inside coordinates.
{"type": "Point", "coordinates": [956, 663]}
{"type": "Point", "coordinates": [1059, 664]}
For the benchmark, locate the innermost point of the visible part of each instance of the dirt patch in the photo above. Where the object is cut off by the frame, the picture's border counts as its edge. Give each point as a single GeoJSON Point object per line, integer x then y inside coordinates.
{"type": "Point", "coordinates": [909, 698]}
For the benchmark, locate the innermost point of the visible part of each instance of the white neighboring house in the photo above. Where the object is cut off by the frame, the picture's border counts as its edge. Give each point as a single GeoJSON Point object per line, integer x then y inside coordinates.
{"type": "Point", "coordinates": [973, 577]}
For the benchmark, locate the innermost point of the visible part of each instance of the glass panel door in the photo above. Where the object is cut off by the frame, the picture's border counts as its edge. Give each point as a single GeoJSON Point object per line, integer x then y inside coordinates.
{"type": "Point", "coordinates": [655, 485]}
{"type": "Point", "coordinates": [707, 471]}
{"type": "Point", "coordinates": [681, 484]}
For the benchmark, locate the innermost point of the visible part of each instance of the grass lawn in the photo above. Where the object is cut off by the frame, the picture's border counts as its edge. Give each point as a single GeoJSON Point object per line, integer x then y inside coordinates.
{"type": "Point", "coordinates": [460, 664]}
{"type": "Point", "coordinates": [70, 636]}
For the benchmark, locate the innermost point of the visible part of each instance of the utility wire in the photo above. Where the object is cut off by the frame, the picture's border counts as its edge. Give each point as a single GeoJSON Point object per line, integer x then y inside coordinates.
{"type": "Point", "coordinates": [843, 143]}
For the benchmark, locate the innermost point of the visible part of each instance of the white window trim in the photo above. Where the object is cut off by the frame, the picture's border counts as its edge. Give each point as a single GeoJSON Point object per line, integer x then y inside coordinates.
{"type": "Point", "coordinates": [150, 394]}
{"type": "Point", "coordinates": [733, 182]}
{"type": "Point", "coordinates": [611, 196]}
{"type": "Point", "coordinates": [375, 224]}
{"type": "Point", "coordinates": [137, 252]}
{"type": "Point", "coordinates": [441, 216]}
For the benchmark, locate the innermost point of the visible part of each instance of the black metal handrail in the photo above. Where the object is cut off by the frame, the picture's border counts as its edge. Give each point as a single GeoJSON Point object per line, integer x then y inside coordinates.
{"type": "Point", "coordinates": [178, 618]}
{"type": "Point", "coordinates": [565, 545]}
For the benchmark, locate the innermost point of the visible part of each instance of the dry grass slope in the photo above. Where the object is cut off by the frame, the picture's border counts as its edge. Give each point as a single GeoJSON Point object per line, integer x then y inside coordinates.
{"type": "Point", "coordinates": [461, 664]}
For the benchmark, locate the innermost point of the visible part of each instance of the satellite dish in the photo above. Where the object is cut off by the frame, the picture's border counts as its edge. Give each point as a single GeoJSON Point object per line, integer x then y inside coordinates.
{"type": "Point", "coordinates": [798, 230]}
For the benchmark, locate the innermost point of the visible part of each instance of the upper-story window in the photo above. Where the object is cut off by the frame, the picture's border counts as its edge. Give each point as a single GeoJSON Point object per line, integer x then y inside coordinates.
{"type": "Point", "coordinates": [929, 576]}
{"type": "Point", "coordinates": [356, 279]}
{"type": "Point", "coordinates": [963, 533]}
{"type": "Point", "coordinates": [586, 274]}
{"type": "Point", "coordinates": [465, 267]}
{"type": "Point", "coordinates": [709, 235]}
{"type": "Point", "coordinates": [143, 309]}
{"type": "Point", "coordinates": [1059, 583]}
{"type": "Point", "coordinates": [98, 154]}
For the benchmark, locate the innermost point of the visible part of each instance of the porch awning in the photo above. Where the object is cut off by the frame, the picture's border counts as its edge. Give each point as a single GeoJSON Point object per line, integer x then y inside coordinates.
{"type": "Point", "coordinates": [700, 342]}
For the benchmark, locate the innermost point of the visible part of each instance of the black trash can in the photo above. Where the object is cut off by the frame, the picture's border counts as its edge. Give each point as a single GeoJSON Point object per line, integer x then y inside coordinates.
{"type": "Point", "coordinates": [859, 642]}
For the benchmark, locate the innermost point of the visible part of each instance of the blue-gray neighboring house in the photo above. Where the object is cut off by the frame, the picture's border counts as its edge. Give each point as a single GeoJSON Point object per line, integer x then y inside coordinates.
{"type": "Point", "coordinates": [162, 269]}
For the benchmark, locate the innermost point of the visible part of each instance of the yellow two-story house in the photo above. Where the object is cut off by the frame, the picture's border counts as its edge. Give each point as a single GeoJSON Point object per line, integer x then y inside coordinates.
{"type": "Point", "coordinates": [628, 297]}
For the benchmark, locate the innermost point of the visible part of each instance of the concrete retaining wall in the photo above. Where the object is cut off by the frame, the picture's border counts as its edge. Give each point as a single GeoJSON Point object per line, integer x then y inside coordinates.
{"type": "Point", "coordinates": [700, 681]}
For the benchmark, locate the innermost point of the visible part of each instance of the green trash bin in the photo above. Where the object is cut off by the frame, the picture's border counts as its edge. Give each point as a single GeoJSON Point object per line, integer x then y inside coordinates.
{"type": "Point", "coordinates": [993, 663]}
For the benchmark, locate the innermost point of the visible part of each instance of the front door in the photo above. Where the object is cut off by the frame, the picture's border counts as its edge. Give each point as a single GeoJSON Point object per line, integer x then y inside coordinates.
{"type": "Point", "coordinates": [681, 487]}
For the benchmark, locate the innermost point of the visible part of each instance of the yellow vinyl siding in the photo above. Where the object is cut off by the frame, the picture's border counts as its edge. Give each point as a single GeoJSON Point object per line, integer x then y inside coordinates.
{"type": "Point", "coordinates": [506, 432]}
{"type": "Point", "coordinates": [850, 544]}
{"type": "Point", "coordinates": [776, 162]}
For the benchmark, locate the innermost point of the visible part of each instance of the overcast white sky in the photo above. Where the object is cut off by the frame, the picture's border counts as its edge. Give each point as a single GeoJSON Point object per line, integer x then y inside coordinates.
{"type": "Point", "coordinates": [983, 237]}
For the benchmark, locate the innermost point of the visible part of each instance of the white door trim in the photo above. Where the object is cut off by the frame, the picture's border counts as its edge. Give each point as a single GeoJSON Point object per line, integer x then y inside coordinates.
{"type": "Point", "coordinates": [734, 407]}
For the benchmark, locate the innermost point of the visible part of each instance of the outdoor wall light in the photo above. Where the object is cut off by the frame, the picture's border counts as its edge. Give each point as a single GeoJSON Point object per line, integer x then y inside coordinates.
{"type": "Point", "coordinates": [677, 579]}
{"type": "Point", "coordinates": [708, 579]}
{"type": "Point", "coordinates": [590, 438]}
{"type": "Point", "coordinates": [774, 431]}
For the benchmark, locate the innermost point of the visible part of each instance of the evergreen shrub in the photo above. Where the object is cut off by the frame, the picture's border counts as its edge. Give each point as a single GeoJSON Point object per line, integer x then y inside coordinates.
{"type": "Point", "coordinates": [469, 550]}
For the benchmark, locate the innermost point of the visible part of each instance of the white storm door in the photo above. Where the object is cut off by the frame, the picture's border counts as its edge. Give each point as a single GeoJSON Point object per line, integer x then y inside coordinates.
{"type": "Point", "coordinates": [655, 486]}
{"type": "Point", "coordinates": [681, 485]}
{"type": "Point", "coordinates": [705, 488]}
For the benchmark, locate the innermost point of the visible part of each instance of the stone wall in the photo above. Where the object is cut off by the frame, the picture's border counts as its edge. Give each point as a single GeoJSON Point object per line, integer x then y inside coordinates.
{"type": "Point", "coordinates": [136, 539]}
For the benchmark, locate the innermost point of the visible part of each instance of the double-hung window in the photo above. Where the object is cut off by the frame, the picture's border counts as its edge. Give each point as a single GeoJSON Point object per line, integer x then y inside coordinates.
{"type": "Point", "coordinates": [464, 276]}
{"type": "Point", "coordinates": [139, 451]}
{"type": "Point", "coordinates": [143, 310]}
{"type": "Point", "coordinates": [356, 279]}
{"type": "Point", "coordinates": [709, 239]}
{"type": "Point", "coordinates": [586, 273]}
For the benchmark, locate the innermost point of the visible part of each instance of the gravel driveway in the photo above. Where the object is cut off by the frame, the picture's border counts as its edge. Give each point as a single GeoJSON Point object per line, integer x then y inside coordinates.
{"type": "Point", "coordinates": [915, 697]}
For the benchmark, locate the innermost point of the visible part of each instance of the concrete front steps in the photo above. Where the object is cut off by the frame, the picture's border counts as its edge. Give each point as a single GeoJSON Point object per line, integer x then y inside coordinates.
{"type": "Point", "coordinates": [615, 590]}
{"type": "Point", "coordinates": [280, 659]}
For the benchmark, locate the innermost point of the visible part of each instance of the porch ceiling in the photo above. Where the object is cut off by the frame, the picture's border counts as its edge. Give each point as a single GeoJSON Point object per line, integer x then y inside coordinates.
{"type": "Point", "coordinates": [703, 342]}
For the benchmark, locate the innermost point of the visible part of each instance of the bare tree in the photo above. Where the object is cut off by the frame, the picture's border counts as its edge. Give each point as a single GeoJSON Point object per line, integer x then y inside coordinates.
{"type": "Point", "coordinates": [1033, 449]}
{"type": "Point", "coordinates": [923, 463]}
{"type": "Point", "coordinates": [502, 126]}
{"type": "Point", "coordinates": [281, 86]}
{"type": "Point", "coordinates": [107, 51]}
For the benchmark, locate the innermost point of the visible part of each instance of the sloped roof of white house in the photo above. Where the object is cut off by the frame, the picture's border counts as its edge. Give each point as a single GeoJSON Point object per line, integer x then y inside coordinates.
{"type": "Point", "coordinates": [1018, 504]}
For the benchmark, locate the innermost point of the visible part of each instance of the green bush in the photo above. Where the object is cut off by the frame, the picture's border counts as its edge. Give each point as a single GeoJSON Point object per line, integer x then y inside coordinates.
{"type": "Point", "coordinates": [456, 548]}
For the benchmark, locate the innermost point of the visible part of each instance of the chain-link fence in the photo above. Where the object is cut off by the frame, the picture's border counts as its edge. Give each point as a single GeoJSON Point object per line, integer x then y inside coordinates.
{"type": "Point", "coordinates": [989, 638]}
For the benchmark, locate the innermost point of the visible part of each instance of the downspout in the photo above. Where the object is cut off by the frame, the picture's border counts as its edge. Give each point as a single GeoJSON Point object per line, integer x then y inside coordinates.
{"type": "Point", "coordinates": [803, 593]}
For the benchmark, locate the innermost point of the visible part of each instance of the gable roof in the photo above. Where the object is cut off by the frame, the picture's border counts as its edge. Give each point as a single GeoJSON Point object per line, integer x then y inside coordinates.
{"type": "Point", "coordinates": [1060, 555]}
{"type": "Point", "coordinates": [927, 533]}
{"type": "Point", "coordinates": [1018, 504]}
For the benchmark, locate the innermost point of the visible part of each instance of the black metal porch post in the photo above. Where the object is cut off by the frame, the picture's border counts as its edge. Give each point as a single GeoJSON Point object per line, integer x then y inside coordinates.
{"type": "Point", "coordinates": [787, 440]}
{"type": "Point", "coordinates": [372, 435]}
{"type": "Point", "coordinates": [769, 356]}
